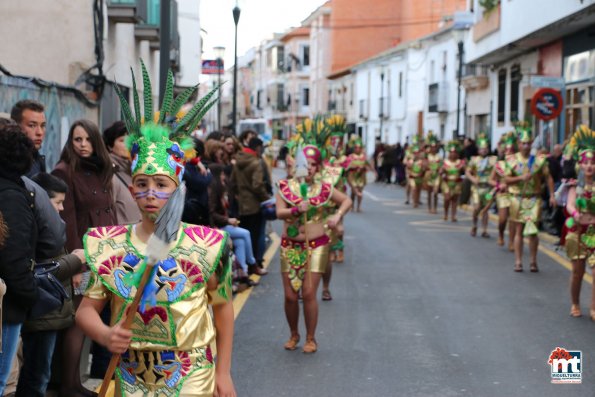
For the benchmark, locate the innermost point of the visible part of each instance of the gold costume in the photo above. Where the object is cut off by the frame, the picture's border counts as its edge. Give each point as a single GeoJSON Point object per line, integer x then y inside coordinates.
{"type": "Point", "coordinates": [416, 174]}
{"type": "Point", "coordinates": [432, 175]}
{"type": "Point", "coordinates": [294, 254]}
{"type": "Point", "coordinates": [525, 201]}
{"type": "Point", "coordinates": [452, 182]}
{"type": "Point", "coordinates": [173, 345]}
{"type": "Point", "coordinates": [481, 167]}
{"type": "Point", "coordinates": [357, 166]}
{"type": "Point", "coordinates": [580, 240]}
{"type": "Point", "coordinates": [502, 197]}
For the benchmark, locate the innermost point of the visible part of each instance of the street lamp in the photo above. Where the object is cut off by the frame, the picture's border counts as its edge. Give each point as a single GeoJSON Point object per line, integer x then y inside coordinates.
{"type": "Point", "coordinates": [219, 53]}
{"type": "Point", "coordinates": [459, 35]}
{"type": "Point", "coordinates": [381, 112]}
{"type": "Point", "coordinates": [236, 19]}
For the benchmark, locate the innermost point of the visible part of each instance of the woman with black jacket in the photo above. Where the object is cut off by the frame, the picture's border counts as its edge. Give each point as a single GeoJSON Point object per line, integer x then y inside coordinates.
{"type": "Point", "coordinates": [18, 251]}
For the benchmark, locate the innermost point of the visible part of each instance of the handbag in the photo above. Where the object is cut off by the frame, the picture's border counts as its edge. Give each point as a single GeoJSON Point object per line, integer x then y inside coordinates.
{"type": "Point", "coordinates": [51, 292]}
{"type": "Point", "coordinates": [268, 209]}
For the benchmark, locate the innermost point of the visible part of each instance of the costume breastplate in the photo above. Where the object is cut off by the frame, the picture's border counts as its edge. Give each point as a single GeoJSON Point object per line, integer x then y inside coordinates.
{"type": "Point", "coordinates": [453, 170]}
{"type": "Point", "coordinates": [115, 255]}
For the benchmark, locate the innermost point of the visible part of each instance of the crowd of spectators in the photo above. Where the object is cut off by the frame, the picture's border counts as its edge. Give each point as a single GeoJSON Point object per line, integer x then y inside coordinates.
{"type": "Point", "coordinates": [44, 215]}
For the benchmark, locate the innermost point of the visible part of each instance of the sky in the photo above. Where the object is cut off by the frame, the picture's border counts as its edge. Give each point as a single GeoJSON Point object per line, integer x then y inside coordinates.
{"type": "Point", "coordinates": [259, 19]}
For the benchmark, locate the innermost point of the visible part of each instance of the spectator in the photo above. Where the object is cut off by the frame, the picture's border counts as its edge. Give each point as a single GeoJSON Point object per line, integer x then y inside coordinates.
{"type": "Point", "coordinates": [18, 251]}
{"type": "Point", "coordinates": [246, 136]}
{"type": "Point", "coordinates": [214, 152]}
{"type": "Point", "coordinates": [126, 209]}
{"type": "Point", "coordinates": [250, 190]}
{"type": "Point", "coordinates": [86, 168]}
{"type": "Point", "coordinates": [39, 335]}
{"type": "Point", "coordinates": [30, 116]}
{"type": "Point", "coordinates": [215, 136]}
{"type": "Point", "coordinates": [399, 167]}
{"type": "Point", "coordinates": [197, 178]}
{"type": "Point", "coordinates": [469, 149]}
{"type": "Point", "coordinates": [218, 202]}
{"type": "Point", "coordinates": [232, 146]}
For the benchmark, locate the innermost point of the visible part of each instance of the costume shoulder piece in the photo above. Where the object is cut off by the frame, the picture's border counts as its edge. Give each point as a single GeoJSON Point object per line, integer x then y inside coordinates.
{"type": "Point", "coordinates": [332, 175]}
{"type": "Point", "coordinates": [319, 194]}
{"type": "Point", "coordinates": [114, 255]}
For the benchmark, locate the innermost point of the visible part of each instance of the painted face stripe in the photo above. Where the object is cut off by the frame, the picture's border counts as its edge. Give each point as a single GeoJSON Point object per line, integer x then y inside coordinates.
{"type": "Point", "coordinates": [151, 192]}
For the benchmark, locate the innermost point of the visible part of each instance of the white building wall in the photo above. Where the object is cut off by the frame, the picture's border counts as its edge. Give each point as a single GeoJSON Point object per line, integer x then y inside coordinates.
{"type": "Point", "coordinates": [519, 18]}
{"type": "Point", "coordinates": [528, 64]}
{"type": "Point", "coordinates": [190, 42]}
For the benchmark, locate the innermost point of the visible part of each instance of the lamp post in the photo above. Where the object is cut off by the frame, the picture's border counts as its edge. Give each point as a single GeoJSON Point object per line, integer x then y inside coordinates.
{"type": "Point", "coordinates": [219, 52]}
{"type": "Point", "coordinates": [164, 39]}
{"type": "Point", "coordinates": [236, 19]}
{"type": "Point", "coordinates": [381, 112]}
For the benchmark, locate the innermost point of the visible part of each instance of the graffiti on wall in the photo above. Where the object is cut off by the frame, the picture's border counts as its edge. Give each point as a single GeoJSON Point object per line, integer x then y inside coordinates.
{"type": "Point", "coordinates": [62, 108]}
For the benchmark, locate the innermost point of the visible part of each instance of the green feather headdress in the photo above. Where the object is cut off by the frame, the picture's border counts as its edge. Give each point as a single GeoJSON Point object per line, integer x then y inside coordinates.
{"type": "Point", "coordinates": [161, 144]}
{"type": "Point", "coordinates": [482, 140]}
{"type": "Point", "coordinates": [582, 143]}
{"type": "Point", "coordinates": [314, 132]}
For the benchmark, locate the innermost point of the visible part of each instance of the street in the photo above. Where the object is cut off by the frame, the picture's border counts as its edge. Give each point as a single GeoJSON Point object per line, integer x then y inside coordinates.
{"type": "Point", "coordinates": [420, 309]}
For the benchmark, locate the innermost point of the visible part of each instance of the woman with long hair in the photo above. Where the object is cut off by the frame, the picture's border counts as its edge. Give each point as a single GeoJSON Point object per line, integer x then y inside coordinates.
{"type": "Point", "coordinates": [305, 245]}
{"type": "Point", "coordinates": [86, 167]}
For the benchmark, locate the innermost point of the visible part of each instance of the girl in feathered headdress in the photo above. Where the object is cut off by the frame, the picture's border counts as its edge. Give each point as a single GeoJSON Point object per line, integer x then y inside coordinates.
{"type": "Point", "coordinates": [452, 173]}
{"type": "Point", "coordinates": [302, 203]}
{"type": "Point", "coordinates": [478, 172]}
{"type": "Point", "coordinates": [357, 166]}
{"type": "Point", "coordinates": [432, 176]}
{"type": "Point", "coordinates": [580, 240]}
{"type": "Point", "coordinates": [170, 348]}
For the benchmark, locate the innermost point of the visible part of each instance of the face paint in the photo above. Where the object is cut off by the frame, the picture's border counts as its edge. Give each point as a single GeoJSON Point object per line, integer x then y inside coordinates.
{"type": "Point", "coordinates": [154, 193]}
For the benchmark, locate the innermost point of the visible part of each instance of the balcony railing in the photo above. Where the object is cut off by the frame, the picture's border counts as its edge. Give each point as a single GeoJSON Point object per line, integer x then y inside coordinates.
{"type": "Point", "coordinates": [438, 97]}
{"type": "Point", "coordinates": [471, 70]}
{"type": "Point", "coordinates": [384, 108]}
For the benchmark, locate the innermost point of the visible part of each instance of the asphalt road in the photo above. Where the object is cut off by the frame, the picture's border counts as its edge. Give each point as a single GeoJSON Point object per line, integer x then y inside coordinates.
{"type": "Point", "coordinates": [420, 309]}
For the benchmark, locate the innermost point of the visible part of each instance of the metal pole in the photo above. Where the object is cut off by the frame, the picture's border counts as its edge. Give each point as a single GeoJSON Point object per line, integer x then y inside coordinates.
{"type": "Point", "coordinates": [381, 113]}
{"type": "Point", "coordinates": [164, 46]}
{"type": "Point", "coordinates": [460, 75]}
{"type": "Point", "coordinates": [236, 19]}
{"type": "Point", "coordinates": [219, 94]}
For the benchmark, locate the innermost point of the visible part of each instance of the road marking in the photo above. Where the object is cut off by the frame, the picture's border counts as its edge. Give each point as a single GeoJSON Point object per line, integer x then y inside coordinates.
{"type": "Point", "coordinates": [240, 299]}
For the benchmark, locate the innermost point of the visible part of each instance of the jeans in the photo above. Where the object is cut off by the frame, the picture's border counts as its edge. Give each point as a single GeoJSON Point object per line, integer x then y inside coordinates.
{"type": "Point", "coordinates": [10, 341]}
{"type": "Point", "coordinates": [242, 245]}
{"type": "Point", "coordinates": [253, 223]}
{"type": "Point", "coordinates": [38, 350]}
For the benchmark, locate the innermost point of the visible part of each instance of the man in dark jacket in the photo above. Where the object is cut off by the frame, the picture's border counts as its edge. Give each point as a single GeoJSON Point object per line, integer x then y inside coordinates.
{"type": "Point", "coordinates": [30, 116]}
{"type": "Point", "coordinates": [18, 252]}
{"type": "Point", "coordinates": [250, 190]}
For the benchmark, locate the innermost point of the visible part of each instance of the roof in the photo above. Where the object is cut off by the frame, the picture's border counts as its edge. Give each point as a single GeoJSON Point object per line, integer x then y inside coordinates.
{"type": "Point", "coordinates": [302, 31]}
{"type": "Point", "coordinates": [323, 9]}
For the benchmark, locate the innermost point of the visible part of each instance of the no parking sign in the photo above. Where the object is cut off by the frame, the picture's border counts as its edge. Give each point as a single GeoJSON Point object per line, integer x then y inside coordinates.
{"type": "Point", "coordinates": [547, 104]}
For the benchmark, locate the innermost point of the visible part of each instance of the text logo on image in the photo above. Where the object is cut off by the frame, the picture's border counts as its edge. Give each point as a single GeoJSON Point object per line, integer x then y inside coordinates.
{"type": "Point", "coordinates": [566, 365]}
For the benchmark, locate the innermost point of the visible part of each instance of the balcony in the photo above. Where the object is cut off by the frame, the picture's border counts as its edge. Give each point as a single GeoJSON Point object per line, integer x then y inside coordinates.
{"type": "Point", "coordinates": [148, 27]}
{"type": "Point", "coordinates": [384, 108]}
{"type": "Point", "coordinates": [475, 77]}
{"type": "Point", "coordinates": [122, 11]}
{"type": "Point", "coordinates": [487, 25]}
{"type": "Point", "coordinates": [438, 97]}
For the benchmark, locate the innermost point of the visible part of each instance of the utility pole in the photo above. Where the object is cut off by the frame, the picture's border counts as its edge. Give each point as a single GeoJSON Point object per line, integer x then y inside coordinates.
{"type": "Point", "coordinates": [236, 19]}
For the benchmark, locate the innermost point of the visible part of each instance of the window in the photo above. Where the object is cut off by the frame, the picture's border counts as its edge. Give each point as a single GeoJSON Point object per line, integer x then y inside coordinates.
{"type": "Point", "coordinates": [306, 96]}
{"type": "Point", "coordinates": [501, 94]}
{"type": "Point", "coordinates": [280, 58]}
{"type": "Point", "coordinates": [306, 55]}
{"type": "Point", "coordinates": [400, 84]}
{"type": "Point", "coordinates": [281, 105]}
{"type": "Point", "coordinates": [515, 80]}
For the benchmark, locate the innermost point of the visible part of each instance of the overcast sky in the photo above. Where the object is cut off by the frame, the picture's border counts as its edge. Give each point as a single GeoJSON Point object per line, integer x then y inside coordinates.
{"type": "Point", "coordinates": [259, 19]}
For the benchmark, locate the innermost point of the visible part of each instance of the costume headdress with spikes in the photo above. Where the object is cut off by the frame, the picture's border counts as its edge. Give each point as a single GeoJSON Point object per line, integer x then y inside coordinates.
{"type": "Point", "coordinates": [453, 146]}
{"type": "Point", "coordinates": [313, 136]}
{"type": "Point", "coordinates": [483, 141]}
{"type": "Point", "coordinates": [432, 139]}
{"type": "Point", "coordinates": [524, 132]}
{"type": "Point", "coordinates": [162, 147]}
{"type": "Point", "coordinates": [338, 128]}
{"type": "Point", "coordinates": [582, 144]}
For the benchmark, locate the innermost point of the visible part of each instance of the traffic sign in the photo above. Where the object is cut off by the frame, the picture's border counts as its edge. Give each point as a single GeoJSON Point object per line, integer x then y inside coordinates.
{"type": "Point", "coordinates": [546, 104]}
{"type": "Point", "coordinates": [212, 66]}
{"type": "Point", "coordinates": [547, 82]}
